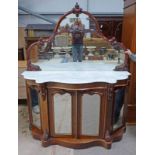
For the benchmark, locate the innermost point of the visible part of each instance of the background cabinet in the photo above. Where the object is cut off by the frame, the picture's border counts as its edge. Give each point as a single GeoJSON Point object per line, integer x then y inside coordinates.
{"type": "Point", "coordinates": [129, 40]}
{"type": "Point", "coordinates": [21, 82]}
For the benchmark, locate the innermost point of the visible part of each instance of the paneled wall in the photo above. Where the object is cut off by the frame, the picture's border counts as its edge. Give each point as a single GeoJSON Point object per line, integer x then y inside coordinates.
{"type": "Point", "coordinates": [129, 39]}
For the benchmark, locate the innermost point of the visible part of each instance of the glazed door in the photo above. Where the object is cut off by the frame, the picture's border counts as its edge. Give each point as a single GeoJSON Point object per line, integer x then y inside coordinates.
{"type": "Point", "coordinates": [92, 113]}
{"type": "Point", "coordinates": [77, 113]}
{"type": "Point", "coordinates": [60, 113]}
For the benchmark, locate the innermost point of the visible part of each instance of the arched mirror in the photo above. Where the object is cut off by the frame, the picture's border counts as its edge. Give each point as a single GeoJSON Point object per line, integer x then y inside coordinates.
{"type": "Point", "coordinates": [74, 41]}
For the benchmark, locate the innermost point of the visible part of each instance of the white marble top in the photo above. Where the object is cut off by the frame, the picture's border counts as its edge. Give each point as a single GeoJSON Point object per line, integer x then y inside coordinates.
{"type": "Point", "coordinates": [76, 72]}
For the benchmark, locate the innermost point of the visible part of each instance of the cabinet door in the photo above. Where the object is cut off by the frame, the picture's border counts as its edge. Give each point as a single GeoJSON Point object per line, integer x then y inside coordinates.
{"type": "Point", "coordinates": [60, 113]}
{"type": "Point", "coordinates": [90, 114]}
{"type": "Point", "coordinates": [76, 114]}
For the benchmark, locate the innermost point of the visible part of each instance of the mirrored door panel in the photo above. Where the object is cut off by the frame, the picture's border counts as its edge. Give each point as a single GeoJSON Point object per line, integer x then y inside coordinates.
{"type": "Point", "coordinates": [35, 106]}
{"type": "Point", "coordinates": [118, 108]}
{"type": "Point", "coordinates": [90, 114]}
{"type": "Point", "coordinates": [62, 114]}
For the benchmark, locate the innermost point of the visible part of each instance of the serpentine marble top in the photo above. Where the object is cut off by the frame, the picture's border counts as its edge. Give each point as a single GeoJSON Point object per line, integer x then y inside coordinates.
{"type": "Point", "coordinates": [76, 72]}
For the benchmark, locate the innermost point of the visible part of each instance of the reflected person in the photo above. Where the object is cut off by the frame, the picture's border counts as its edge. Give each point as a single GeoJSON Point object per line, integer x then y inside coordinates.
{"type": "Point", "coordinates": [77, 32]}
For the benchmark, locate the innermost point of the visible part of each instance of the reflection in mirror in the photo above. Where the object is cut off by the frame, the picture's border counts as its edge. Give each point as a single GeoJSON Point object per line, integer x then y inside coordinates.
{"type": "Point", "coordinates": [90, 114]}
{"type": "Point", "coordinates": [35, 107]}
{"type": "Point", "coordinates": [118, 108]}
{"type": "Point", "coordinates": [76, 40]}
{"type": "Point", "coordinates": [62, 114]}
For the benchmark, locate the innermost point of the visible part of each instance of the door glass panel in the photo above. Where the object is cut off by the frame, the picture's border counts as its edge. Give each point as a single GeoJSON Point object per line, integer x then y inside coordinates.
{"type": "Point", "coordinates": [90, 114]}
{"type": "Point", "coordinates": [118, 108]}
{"type": "Point", "coordinates": [35, 106]}
{"type": "Point", "coordinates": [62, 114]}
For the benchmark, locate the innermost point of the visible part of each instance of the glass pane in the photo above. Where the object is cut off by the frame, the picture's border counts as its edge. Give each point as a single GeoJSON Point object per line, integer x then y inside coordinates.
{"type": "Point", "coordinates": [90, 114]}
{"type": "Point", "coordinates": [35, 107]}
{"type": "Point", "coordinates": [62, 114]}
{"type": "Point", "coordinates": [118, 108]}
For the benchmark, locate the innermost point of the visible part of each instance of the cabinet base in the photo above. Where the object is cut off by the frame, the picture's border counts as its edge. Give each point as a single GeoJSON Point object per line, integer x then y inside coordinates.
{"type": "Point", "coordinates": [79, 143]}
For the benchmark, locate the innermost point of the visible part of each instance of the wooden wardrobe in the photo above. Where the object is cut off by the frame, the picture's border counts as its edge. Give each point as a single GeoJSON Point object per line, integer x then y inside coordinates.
{"type": "Point", "coordinates": [129, 40]}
